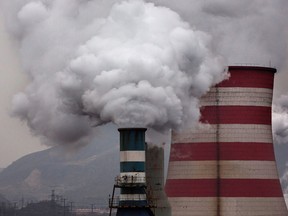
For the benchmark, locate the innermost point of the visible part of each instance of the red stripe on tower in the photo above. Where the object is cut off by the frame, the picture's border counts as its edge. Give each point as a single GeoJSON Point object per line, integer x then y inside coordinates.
{"type": "Point", "coordinates": [226, 167]}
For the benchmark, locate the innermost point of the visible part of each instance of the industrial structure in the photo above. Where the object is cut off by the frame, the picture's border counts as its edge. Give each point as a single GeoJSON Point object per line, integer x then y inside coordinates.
{"type": "Point", "coordinates": [133, 200]}
{"type": "Point", "coordinates": [226, 166]}
{"type": "Point", "coordinates": [155, 180]}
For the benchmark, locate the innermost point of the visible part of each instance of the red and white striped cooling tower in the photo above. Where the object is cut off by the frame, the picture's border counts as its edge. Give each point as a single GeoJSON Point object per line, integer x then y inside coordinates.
{"type": "Point", "coordinates": [227, 166]}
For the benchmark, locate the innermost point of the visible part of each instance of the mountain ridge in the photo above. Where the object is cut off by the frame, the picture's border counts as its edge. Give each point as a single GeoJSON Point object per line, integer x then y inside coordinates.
{"type": "Point", "coordinates": [87, 173]}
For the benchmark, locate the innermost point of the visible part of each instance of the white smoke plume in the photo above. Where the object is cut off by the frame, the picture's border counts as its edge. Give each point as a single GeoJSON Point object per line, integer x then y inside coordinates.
{"type": "Point", "coordinates": [280, 120]}
{"type": "Point", "coordinates": [93, 62]}
{"type": "Point", "coordinates": [245, 32]}
{"type": "Point", "coordinates": [280, 129]}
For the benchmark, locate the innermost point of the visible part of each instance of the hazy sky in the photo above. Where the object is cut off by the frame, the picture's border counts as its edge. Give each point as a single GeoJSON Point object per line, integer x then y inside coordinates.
{"type": "Point", "coordinates": [15, 137]}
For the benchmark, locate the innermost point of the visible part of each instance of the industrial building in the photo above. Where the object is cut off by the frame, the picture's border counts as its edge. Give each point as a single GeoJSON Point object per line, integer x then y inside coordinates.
{"type": "Point", "coordinates": [141, 180]}
{"type": "Point", "coordinates": [133, 199]}
{"type": "Point", "coordinates": [226, 166]}
{"type": "Point", "coordinates": [156, 181]}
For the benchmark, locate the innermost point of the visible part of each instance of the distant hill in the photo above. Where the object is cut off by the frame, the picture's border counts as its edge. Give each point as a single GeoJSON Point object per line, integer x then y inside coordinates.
{"type": "Point", "coordinates": [3, 199]}
{"type": "Point", "coordinates": [86, 174]}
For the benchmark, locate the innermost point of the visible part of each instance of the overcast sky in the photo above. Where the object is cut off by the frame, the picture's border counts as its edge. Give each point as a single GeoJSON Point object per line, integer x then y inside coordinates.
{"type": "Point", "coordinates": [15, 137]}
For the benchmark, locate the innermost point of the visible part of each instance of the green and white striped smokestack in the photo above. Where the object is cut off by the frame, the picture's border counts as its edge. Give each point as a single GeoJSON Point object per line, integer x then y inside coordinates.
{"type": "Point", "coordinates": [132, 166]}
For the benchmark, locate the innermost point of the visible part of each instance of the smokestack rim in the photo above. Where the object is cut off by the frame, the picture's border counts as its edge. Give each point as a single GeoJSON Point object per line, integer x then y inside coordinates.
{"type": "Point", "coordinates": [130, 129]}
{"type": "Point", "coordinates": [246, 67]}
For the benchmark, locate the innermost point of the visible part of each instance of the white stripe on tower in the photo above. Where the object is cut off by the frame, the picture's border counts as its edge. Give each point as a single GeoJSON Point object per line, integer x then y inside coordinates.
{"type": "Point", "coordinates": [133, 197]}
{"type": "Point", "coordinates": [245, 206]}
{"type": "Point", "coordinates": [229, 169]}
{"type": "Point", "coordinates": [238, 97]}
{"type": "Point", "coordinates": [229, 133]}
{"type": "Point", "coordinates": [132, 156]}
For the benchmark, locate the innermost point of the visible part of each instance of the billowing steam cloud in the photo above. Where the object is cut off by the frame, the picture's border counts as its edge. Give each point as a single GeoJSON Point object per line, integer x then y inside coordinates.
{"type": "Point", "coordinates": [245, 32]}
{"type": "Point", "coordinates": [280, 129]}
{"type": "Point", "coordinates": [280, 120]}
{"type": "Point", "coordinates": [93, 62]}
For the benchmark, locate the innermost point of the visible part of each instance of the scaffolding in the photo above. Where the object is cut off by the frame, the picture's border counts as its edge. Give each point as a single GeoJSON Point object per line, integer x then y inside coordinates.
{"type": "Point", "coordinates": [131, 182]}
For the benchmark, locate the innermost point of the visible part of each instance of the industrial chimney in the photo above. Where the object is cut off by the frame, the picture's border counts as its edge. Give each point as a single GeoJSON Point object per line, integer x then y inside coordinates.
{"type": "Point", "coordinates": [132, 180]}
{"type": "Point", "coordinates": [226, 166]}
